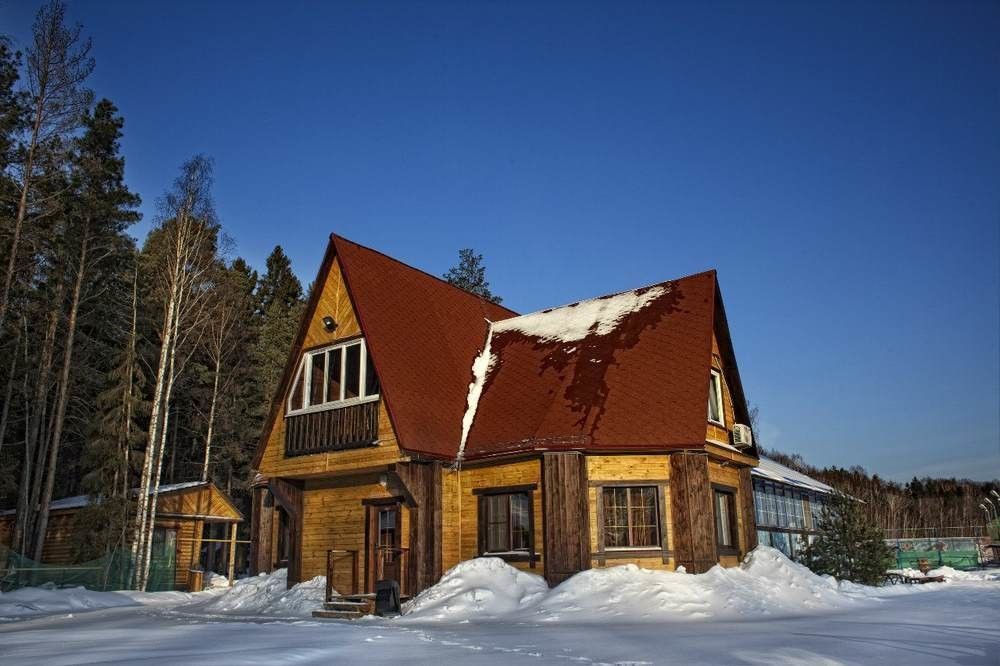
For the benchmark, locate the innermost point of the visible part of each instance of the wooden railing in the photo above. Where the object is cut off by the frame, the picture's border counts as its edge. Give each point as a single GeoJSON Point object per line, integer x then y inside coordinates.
{"type": "Point", "coordinates": [331, 556]}
{"type": "Point", "coordinates": [337, 429]}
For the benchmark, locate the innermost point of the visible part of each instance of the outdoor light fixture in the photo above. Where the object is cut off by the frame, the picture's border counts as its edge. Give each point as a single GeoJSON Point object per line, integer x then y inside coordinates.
{"type": "Point", "coordinates": [328, 323]}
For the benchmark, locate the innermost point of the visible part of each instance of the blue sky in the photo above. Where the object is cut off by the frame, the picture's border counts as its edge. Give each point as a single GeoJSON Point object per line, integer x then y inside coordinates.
{"type": "Point", "coordinates": [838, 164]}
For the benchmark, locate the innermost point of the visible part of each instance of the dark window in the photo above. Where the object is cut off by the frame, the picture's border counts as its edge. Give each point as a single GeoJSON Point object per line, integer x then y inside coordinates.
{"type": "Point", "coordinates": [316, 379]}
{"type": "Point", "coordinates": [506, 523]}
{"type": "Point", "coordinates": [333, 374]}
{"type": "Point", "coordinates": [352, 374]}
{"type": "Point", "coordinates": [371, 379]}
{"type": "Point", "coordinates": [630, 517]}
{"type": "Point", "coordinates": [725, 520]}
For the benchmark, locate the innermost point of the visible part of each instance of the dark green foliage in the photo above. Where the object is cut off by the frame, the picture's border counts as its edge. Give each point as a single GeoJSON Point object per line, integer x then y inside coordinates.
{"type": "Point", "coordinates": [280, 308]}
{"type": "Point", "coordinates": [849, 546]}
{"type": "Point", "coordinates": [470, 275]}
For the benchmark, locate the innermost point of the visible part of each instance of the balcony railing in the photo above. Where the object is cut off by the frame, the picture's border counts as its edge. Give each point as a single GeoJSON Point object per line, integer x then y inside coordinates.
{"type": "Point", "coordinates": [351, 427]}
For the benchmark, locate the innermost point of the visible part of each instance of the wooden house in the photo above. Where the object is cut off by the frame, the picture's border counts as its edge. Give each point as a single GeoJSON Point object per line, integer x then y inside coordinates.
{"type": "Point", "coordinates": [417, 426]}
{"type": "Point", "coordinates": [184, 511]}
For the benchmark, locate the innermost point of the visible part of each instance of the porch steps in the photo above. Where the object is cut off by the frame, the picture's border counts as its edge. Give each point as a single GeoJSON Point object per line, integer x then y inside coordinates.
{"type": "Point", "coordinates": [348, 607]}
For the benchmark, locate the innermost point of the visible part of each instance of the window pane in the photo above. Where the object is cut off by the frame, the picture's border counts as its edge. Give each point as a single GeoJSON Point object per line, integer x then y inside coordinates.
{"type": "Point", "coordinates": [371, 379]}
{"type": "Point", "coordinates": [497, 527]}
{"type": "Point", "coordinates": [352, 376]}
{"type": "Point", "coordinates": [295, 401]}
{"type": "Point", "coordinates": [333, 374]}
{"type": "Point", "coordinates": [520, 533]}
{"type": "Point", "coordinates": [615, 517]}
{"type": "Point", "coordinates": [642, 515]}
{"type": "Point", "coordinates": [723, 519]}
{"type": "Point", "coordinates": [714, 399]}
{"type": "Point", "coordinates": [317, 364]}
{"type": "Point", "coordinates": [630, 518]}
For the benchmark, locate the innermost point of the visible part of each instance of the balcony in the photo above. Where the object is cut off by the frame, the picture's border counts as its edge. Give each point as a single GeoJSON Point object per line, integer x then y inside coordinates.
{"type": "Point", "coordinates": [340, 429]}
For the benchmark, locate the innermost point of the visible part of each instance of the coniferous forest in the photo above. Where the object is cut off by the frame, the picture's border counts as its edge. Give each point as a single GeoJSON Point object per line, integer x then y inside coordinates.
{"type": "Point", "coordinates": [124, 364]}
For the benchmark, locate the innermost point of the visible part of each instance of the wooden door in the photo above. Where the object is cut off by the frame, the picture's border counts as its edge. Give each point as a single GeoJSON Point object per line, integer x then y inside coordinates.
{"type": "Point", "coordinates": [384, 538]}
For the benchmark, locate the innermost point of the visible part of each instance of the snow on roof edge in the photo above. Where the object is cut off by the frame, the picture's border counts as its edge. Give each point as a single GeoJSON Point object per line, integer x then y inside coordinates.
{"type": "Point", "coordinates": [78, 501]}
{"type": "Point", "coordinates": [775, 471]}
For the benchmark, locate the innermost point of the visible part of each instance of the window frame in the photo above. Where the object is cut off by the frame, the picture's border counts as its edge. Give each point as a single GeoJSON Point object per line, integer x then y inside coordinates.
{"type": "Point", "coordinates": [734, 525]}
{"type": "Point", "coordinates": [609, 552]}
{"type": "Point", "coordinates": [715, 379]}
{"type": "Point", "coordinates": [305, 366]}
{"type": "Point", "coordinates": [483, 494]}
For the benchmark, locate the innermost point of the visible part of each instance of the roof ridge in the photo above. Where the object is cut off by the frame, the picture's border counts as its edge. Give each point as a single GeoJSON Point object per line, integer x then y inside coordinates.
{"type": "Point", "coordinates": [710, 271]}
{"type": "Point", "coordinates": [338, 237]}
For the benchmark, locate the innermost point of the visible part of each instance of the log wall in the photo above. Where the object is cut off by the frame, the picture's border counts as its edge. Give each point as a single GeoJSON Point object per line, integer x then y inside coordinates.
{"type": "Point", "coordinates": [693, 518]}
{"type": "Point", "coordinates": [564, 515]}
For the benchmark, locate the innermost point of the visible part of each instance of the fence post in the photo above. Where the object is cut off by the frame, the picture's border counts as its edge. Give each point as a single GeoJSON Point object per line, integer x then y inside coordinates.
{"type": "Point", "coordinates": [232, 554]}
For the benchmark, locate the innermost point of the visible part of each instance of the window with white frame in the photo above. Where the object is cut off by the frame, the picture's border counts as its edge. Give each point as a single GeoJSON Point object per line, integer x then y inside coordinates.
{"type": "Point", "coordinates": [715, 413]}
{"type": "Point", "coordinates": [332, 377]}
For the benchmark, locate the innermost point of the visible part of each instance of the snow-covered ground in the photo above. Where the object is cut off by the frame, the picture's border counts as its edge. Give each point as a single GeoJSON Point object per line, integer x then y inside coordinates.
{"type": "Point", "coordinates": [769, 611]}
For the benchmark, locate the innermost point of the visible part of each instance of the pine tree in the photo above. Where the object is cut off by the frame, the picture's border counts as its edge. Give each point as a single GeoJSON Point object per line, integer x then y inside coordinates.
{"type": "Point", "coordinates": [849, 545]}
{"type": "Point", "coordinates": [470, 275]}
{"type": "Point", "coordinates": [280, 308]}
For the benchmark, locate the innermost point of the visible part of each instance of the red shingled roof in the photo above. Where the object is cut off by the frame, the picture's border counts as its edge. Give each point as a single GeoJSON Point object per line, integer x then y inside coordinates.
{"type": "Point", "coordinates": [423, 334]}
{"type": "Point", "coordinates": [637, 382]}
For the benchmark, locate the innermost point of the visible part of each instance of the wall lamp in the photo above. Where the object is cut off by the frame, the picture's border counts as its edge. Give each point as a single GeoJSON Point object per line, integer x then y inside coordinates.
{"type": "Point", "coordinates": [328, 323]}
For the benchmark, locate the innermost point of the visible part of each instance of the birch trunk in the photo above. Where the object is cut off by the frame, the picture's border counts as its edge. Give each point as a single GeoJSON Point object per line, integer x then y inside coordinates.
{"type": "Point", "coordinates": [211, 419]}
{"type": "Point", "coordinates": [61, 402]}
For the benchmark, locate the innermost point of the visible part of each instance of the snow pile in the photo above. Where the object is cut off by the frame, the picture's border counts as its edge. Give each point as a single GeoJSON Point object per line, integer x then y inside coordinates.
{"type": "Point", "coordinates": [483, 588]}
{"type": "Point", "coordinates": [767, 584]}
{"type": "Point", "coordinates": [47, 599]}
{"type": "Point", "coordinates": [951, 574]}
{"type": "Point", "coordinates": [266, 594]}
{"type": "Point", "coordinates": [214, 581]}
{"type": "Point", "coordinates": [569, 323]}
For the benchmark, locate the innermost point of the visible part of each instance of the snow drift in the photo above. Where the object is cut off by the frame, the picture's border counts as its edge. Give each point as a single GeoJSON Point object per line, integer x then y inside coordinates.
{"type": "Point", "coordinates": [47, 599]}
{"type": "Point", "coordinates": [766, 584]}
{"type": "Point", "coordinates": [266, 594]}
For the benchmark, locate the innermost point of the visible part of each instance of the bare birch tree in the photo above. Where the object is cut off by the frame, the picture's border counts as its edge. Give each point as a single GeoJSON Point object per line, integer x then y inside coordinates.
{"type": "Point", "coordinates": [181, 262]}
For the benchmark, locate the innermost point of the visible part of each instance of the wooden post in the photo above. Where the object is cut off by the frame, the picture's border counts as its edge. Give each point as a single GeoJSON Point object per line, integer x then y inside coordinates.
{"type": "Point", "coordinates": [329, 575]}
{"type": "Point", "coordinates": [355, 571]}
{"type": "Point", "coordinates": [232, 554]}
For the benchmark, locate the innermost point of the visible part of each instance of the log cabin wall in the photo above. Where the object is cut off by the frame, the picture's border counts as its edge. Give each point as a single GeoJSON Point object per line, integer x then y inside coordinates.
{"type": "Point", "coordinates": [630, 470]}
{"type": "Point", "coordinates": [335, 518]}
{"type": "Point", "coordinates": [728, 476]}
{"type": "Point", "coordinates": [460, 519]}
{"type": "Point", "coordinates": [715, 433]}
{"type": "Point", "coordinates": [564, 515]}
{"type": "Point", "coordinates": [423, 483]}
{"type": "Point", "coordinates": [693, 519]}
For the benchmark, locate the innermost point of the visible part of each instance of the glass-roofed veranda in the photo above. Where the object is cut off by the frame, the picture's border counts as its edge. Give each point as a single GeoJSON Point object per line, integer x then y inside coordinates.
{"type": "Point", "coordinates": [788, 505]}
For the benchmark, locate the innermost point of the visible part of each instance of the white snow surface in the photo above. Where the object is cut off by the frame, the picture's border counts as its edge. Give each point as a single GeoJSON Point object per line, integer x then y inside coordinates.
{"type": "Point", "coordinates": [770, 469]}
{"type": "Point", "coordinates": [766, 584]}
{"type": "Point", "coordinates": [576, 321]}
{"type": "Point", "coordinates": [47, 599]}
{"type": "Point", "coordinates": [265, 594]}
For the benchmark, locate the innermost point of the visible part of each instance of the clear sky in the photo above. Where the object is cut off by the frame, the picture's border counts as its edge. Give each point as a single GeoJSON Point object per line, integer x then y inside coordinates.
{"type": "Point", "coordinates": [838, 164]}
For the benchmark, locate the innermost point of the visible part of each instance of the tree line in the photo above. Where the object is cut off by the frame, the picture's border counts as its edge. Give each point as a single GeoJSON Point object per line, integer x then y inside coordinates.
{"type": "Point", "coordinates": [123, 366]}
{"type": "Point", "coordinates": [920, 507]}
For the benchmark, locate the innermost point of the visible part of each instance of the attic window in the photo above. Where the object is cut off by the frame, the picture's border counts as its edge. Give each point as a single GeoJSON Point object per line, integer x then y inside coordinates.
{"type": "Point", "coordinates": [332, 377]}
{"type": "Point", "coordinates": [715, 414]}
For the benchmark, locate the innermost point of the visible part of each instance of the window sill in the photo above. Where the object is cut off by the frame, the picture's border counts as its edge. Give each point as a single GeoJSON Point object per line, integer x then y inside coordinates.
{"type": "Point", "coordinates": [333, 405]}
{"type": "Point", "coordinates": [718, 424]}
{"type": "Point", "coordinates": [512, 556]}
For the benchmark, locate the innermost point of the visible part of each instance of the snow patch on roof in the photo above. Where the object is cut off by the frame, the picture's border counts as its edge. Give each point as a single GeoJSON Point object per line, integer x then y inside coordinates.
{"type": "Point", "coordinates": [775, 471]}
{"type": "Point", "coordinates": [480, 369]}
{"type": "Point", "coordinates": [576, 321]}
{"type": "Point", "coordinates": [79, 501]}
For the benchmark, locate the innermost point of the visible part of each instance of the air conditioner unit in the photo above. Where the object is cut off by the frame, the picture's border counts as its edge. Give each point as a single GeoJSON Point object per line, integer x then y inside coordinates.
{"type": "Point", "coordinates": [742, 437]}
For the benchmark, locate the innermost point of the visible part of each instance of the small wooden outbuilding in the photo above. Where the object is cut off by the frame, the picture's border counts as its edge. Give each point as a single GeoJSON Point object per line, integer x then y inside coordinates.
{"type": "Point", "coordinates": [183, 512]}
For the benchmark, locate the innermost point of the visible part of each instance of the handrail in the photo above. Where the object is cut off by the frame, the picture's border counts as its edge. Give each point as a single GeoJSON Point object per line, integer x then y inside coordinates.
{"type": "Point", "coordinates": [330, 570]}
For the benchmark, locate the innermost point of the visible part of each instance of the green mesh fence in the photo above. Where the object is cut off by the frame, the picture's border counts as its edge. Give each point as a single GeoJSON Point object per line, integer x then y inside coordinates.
{"type": "Point", "coordinates": [957, 553]}
{"type": "Point", "coordinates": [108, 573]}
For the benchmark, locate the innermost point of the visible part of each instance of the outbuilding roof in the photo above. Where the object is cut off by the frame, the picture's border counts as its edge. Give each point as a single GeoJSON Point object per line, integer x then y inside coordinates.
{"type": "Point", "coordinates": [775, 471]}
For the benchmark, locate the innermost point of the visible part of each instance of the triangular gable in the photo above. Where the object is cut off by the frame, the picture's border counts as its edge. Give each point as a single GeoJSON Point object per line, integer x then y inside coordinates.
{"type": "Point", "coordinates": [204, 501]}
{"type": "Point", "coordinates": [622, 372]}
{"type": "Point", "coordinates": [737, 396]}
{"type": "Point", "coordinates": [422, 334]}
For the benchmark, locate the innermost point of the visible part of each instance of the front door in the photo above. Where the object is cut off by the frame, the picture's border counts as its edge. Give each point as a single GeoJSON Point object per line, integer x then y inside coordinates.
{"type": "Point", "coordinates": [384, 540]}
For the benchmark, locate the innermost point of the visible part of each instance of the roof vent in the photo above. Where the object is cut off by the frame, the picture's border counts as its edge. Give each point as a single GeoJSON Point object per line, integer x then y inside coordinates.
{"type": "Point", "coordinates": [742, 437]}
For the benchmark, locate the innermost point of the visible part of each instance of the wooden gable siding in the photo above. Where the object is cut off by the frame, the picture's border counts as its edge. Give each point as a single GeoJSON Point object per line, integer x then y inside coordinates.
{"type": "Point", "coordinates": [640, 470]}
{"type": "Point", "coordinates": [206, 501]}
{"type": "Point", "coordinates": [714, 432]}
{"type": "Point", "coordinates": [333, 301]}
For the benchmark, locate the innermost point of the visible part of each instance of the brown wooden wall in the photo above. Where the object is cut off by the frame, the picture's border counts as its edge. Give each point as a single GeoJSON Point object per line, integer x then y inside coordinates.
{"type": "Point", "coordinates": [564, 513]}
{"type": "Point", "coordinates": [693, 517]}
{"type": "Point", "coordinates": [423, 483]}
{"type": "Point", "coordinates": [289, 495]}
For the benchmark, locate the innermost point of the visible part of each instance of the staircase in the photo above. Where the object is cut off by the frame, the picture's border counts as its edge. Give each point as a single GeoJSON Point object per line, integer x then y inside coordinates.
{"type": "Point", "coordinates": [347, 607]}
